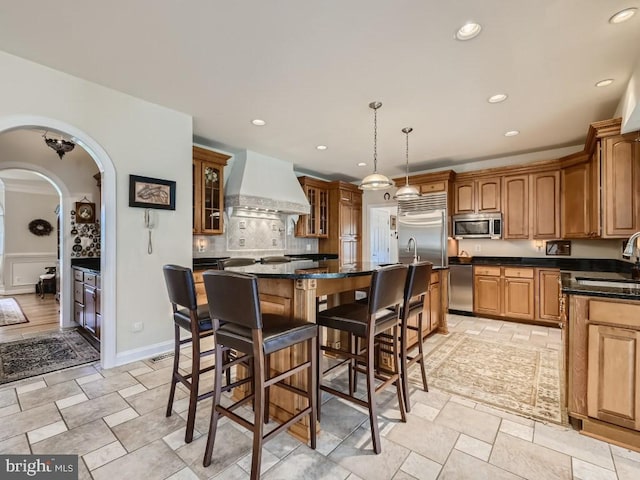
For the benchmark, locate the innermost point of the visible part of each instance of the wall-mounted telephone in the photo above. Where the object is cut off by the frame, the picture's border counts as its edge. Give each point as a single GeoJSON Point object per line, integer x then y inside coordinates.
{"type": "Point", "coordinates": [149, 224]}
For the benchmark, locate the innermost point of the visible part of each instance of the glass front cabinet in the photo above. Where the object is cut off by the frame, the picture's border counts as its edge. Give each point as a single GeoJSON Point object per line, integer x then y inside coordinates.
{"type": "Point", "coordinates": [208, 194]}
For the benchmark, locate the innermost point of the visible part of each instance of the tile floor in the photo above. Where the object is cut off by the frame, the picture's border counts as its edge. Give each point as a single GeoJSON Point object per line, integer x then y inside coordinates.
{"type": "Point", "coordinates": [114, 420]}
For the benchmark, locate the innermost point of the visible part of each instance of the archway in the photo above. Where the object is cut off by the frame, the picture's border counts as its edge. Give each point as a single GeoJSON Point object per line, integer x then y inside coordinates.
{"type": "Point", "coordinates": [108, 230]}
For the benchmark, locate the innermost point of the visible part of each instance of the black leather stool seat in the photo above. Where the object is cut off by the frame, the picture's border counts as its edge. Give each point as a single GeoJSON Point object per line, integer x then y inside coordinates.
{"type": "Point", "coordinates": [354, 318]}
{"type": "Point", "coordinates": [183, 318]}
{"type": "Point", "coordinates": [277, 333]}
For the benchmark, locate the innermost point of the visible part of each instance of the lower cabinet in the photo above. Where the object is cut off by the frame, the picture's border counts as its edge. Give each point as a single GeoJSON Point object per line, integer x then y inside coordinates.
{"type": "Point", "coordinates": [86, 305]}
{"type": "Point", "coordinates": [603, 367]}
{"type": "Point", "coordinates": [519, 293]}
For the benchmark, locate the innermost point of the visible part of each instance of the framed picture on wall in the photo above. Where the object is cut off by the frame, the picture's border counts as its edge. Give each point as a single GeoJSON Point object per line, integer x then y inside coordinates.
{"type": "Point", "coordinates": [85, 212]}
{"type": "Point", "coordinates": [147, 192]}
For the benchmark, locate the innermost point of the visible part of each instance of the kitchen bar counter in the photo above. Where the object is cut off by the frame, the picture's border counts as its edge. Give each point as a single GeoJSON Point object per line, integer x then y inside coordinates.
{"type": "Point", "coordinates": [603, 285]}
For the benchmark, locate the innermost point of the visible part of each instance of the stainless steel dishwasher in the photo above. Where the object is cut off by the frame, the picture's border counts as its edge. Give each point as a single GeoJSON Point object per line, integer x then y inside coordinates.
{"type": "Point", "coordinates": [461, 289]}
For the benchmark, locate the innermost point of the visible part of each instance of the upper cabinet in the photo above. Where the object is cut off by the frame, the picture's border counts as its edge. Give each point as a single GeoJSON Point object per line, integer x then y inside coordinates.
{"type": "Point", "coordinates": [477, 196]}
{"type": "Point", "coordinates": [515, 206]}
{"type": "Point", "coordinates": [580, 197]}
{"type": "Point", "coordinates": [208, 194]}
{"type": "Point", "coordinates": [345, 223]}
{"type": "Point", "coordinates": [316, 224]}
{"type": "Point", "coordinates": [545, 205]}
{"type": "Point", "coordinates": [620, 185]}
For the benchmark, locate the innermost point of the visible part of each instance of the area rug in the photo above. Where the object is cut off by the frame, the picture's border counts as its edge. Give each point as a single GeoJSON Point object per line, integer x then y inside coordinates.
{"type": "Point", "coordinates": [524, 379]}
{"type": "Point", "coordinates": [10, 312]}
{"type": "Point", "coordinates": [43, 354]}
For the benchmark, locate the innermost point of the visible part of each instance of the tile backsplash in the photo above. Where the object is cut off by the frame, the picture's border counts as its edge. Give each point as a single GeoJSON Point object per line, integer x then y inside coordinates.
{"type": "Point", "coordinates": [256, 237]}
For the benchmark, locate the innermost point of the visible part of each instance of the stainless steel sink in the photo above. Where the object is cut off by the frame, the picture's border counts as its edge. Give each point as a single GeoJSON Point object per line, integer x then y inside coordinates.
{"type": "Point", "coordinates": [608, 283]}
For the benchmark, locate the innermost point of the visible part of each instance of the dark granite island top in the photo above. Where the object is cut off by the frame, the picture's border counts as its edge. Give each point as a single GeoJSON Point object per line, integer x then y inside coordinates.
{"type": "Point", "coordinates": [600, 285]}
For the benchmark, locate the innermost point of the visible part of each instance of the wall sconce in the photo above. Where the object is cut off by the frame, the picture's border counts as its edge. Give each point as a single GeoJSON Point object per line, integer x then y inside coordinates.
{"type": "Point", "coordinates": [539, 244]}
{"type": "Point", "coordinates": [201, 244]}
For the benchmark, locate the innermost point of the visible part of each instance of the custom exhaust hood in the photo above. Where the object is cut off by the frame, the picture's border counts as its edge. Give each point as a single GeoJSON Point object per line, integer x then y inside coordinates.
{"type": "Point", "coordinates": [263, 185]}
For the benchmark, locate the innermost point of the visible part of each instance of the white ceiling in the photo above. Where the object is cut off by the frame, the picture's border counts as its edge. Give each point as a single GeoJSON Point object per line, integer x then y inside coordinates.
{"type": "Point", "coordinates": [310, 70]}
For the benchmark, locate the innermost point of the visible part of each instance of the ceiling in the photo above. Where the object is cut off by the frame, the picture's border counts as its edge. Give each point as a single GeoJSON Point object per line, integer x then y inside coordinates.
{"type": "Point", "coordinates": [310, 69]}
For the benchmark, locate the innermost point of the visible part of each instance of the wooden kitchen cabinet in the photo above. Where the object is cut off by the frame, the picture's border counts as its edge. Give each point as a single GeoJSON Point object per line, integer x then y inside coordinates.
{"type": "Point", "coordinates": [86, 301]}
{"type": "Point", "coordinates": [545, 205]}
{"type": "Point", "coordinates": [477, 196]}
{"type": "Point", "coordinates": [345, 223]}
{"type": "Point", "coordinates": [506, 292]}
{"type": "Point", "coordinates": [548, 293]}
{"type": "Point", "coordinates": [515, 206]}
{"type": "Point", "coordinates": [316, 224]}
{"type": "Point", "coordinates": [603, 367]}
{"type": "Point", "coordinates": [620, 181]}
{"type": "Point", "coordinates": [580, 205]}
{"type": "Point", "coordinates": [208, 192]}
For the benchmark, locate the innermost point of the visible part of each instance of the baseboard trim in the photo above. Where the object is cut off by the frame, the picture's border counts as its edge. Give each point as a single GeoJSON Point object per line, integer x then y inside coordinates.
{"type": "Point", "coordinates": [143, 353]}
{"type": "Point", "coordinates": [18, 290]}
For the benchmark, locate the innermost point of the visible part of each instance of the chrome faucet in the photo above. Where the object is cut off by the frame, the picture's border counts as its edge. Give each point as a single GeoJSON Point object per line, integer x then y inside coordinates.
{"type": "Point", "coordinates": [628, 251]}
{"type": "Point", "coordinates": [415, 248]}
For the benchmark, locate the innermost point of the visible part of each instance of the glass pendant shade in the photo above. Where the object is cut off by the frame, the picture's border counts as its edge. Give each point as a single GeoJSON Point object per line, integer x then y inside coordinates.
{"type": "Point", "coordinates": [407, 192]}
{"type": "Point", "coordinates": [375, 181]}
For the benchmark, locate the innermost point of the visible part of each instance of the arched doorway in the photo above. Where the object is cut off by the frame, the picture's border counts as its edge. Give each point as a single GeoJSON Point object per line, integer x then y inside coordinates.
{"type": "Point", "coordinates": [107, 235]}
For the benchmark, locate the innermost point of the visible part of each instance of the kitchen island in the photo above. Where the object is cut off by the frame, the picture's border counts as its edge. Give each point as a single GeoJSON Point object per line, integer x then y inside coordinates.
{"type": "Point", "coordinates": [292, 289]}
{"type": "Point", "coordinates": [603, 356]}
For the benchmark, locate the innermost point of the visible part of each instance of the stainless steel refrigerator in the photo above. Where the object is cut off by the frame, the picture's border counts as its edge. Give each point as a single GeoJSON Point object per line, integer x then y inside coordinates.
{"type": "Point", "coordinates": [422, 229]}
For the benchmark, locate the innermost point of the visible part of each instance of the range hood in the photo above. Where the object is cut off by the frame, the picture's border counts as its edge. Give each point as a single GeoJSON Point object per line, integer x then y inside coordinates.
{"type": "Point", "coordinates": [264, 184]}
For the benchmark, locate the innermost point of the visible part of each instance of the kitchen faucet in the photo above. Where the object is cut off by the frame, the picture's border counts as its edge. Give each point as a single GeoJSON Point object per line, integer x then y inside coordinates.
{"type": "Point", "coordinates": [415, 248]}
{"type": "Point", "coordinates": [628, 251]}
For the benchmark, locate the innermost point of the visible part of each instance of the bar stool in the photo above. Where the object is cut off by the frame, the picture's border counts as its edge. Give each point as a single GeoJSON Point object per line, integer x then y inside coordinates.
{"type": "Point", "coordinates": [194, 318]}
{"type": "Point", "coordinates": [47, 280]}
{"type": "Point", "coordinates": [233, 301]}
{"type": "Point", "coordinates": [366, 321]}
{"type": "Point", "coordinates": [235, 262]}
{"type": "Point", "coordinates": [415, 294]}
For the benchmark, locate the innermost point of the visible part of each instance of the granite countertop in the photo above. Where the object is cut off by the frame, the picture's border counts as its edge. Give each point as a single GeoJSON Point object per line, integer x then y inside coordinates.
{"type": "Point", "coordinates": [301, 269]}
{"type": "Point", "coordinates": [89, 264]}
{"type": "Point", "coordinates": [203, 263]}
{"type": "Point", "coordinates": [568, 264]}
{"type": "Point", "coordinates": [572, 285]}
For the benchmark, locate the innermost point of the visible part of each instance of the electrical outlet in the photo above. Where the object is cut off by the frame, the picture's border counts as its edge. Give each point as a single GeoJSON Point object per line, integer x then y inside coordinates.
{"type": "Point", "coordinates": [478, 247]}
{"type": "Point", "coordinates": [137, 327]}
{"type": "Point", "coordinates": [241, 242]}
{"type": "Point", "coordinates": [308, 247]}
{"type": "Point", "coordinates": [274, 242]}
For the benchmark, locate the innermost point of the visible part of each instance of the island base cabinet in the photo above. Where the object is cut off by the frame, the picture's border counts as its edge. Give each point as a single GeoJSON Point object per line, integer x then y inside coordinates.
{"type": "Point", "coordinates": [613, 384]}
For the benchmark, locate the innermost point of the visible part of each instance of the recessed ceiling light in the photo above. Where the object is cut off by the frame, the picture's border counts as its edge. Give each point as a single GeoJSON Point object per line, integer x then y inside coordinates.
{"type": "Point", "coordinates": [604, 83]}
{"type": "Point", "coordinates": [511, 133]}
{"type": "Point", "coordinates": [321, 147]}
{"type": "Point", "coordinates": [623, 15]}
{"type": "Point", "coordinates": [468, 31]}
{"type": "Point", "coordinates": [258, 123]}
{"type": "Point", "coordinates": [362, 164]}
{"type": "Point", "coordinates": [497, 98]}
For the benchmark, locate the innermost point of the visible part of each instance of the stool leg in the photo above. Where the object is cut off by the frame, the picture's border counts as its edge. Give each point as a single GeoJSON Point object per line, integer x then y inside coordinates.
{"type": "Point", "coordinates": [403, 365]}
{"type": "Point", "coordinates": [371, 397]}
{"type": "Point", "coordinates": [258, 388]}
{"type": "Point", "coordinates": [176, 362]}
{"type": "Point", "coordinates": [319, 373]}
{"type": "Point", "coordinates": [398, 381]}
{"type": "Point", "coordinates": [312, 381]}
{"type": "Point", "coordinates": [217, 393]}
{"type": "Point", "coordinates": [267, 372]}
{"type": "Point", "coordinates": [195, 384]}
{"type": "Point", "coordinates": [352, 346]}
{"type": "Point", "coordinates": [421, 353]}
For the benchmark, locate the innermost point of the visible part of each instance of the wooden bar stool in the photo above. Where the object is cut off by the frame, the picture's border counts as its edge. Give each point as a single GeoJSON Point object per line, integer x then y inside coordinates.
{"type": "Point", "coordinates": [239, 324]}
{"type": "Point", "coordinates": [194, 318]}
{"type": "Point", "coordinates": [365, 322]}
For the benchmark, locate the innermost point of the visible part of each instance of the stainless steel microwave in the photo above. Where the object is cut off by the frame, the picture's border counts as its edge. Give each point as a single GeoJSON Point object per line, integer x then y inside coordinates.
{"type": "Point", "coordinates": [477, 225]}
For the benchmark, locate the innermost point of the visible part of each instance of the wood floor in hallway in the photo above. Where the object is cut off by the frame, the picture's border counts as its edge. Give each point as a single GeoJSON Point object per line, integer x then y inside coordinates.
{"type": "Point", "coordinates": [43, 315]}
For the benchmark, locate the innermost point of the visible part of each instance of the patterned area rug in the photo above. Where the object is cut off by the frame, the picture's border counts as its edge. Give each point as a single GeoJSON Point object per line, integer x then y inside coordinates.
{"type": "Point", "coordinates": [524, 379]}
{"type": "Point", "coordinates": [10, 312]}
{"type": "Point", "coordinates": [44, 354]}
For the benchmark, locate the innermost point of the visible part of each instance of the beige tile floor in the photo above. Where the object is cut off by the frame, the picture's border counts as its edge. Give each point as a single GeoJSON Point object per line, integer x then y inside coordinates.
{"type": "Point", "coordinates": [114, 420]}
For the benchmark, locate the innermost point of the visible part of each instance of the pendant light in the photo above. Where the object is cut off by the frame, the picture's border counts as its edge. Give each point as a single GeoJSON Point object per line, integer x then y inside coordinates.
{"type": "Point", "coordinates": [407, 192]}
{"type": "Point", "coordinates": [375, 181]}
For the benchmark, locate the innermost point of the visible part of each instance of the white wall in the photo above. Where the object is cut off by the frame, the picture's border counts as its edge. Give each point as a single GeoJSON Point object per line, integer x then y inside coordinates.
{"type": "Point", "coordinates": [126, 136]}
{"type": "Point", "coordinates": [20, 209]}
